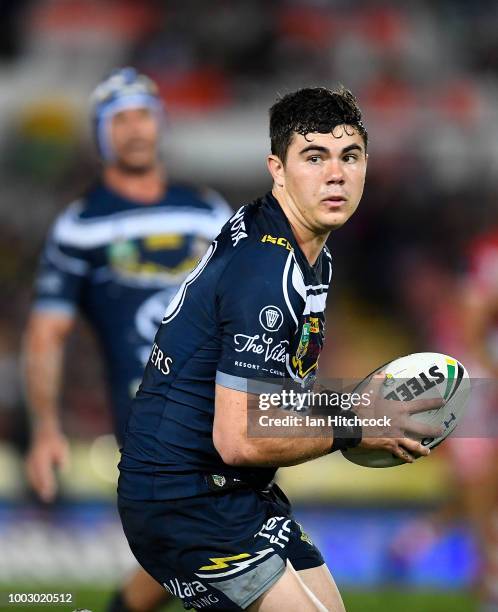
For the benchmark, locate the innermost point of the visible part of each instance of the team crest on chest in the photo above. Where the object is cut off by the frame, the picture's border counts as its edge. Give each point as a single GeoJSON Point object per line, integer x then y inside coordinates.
{"type": "Point", "coordinates": [304, 362]}
{"type": "Point", "coordinates": [303, 342]}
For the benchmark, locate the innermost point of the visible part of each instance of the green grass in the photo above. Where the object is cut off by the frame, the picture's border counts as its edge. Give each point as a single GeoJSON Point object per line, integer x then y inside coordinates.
{"type": "Point", "coordinates": [408, 601]}
{"type": "Point", "coordinates": [358, 601]}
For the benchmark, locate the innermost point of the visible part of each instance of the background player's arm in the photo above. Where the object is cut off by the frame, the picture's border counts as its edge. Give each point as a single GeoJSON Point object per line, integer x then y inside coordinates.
{"type": "Point", "coordinates": [237, 448]}
{"type": "Point", "coordinates": [479, 317]}
{"type": "Point", "coordinates": [44, 344]}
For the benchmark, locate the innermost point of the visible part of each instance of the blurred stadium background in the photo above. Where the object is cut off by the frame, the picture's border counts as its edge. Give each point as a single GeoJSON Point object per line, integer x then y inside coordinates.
{"type": "Point", "coordinates": [426, 75]}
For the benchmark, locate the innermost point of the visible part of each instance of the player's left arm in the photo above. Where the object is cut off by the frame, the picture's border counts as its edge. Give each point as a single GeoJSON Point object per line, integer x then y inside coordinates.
{"type": "Point", "coordinates": [294, 444]}
{"type": "Point", "coordinates": [257, 328]}
{"type": "Point", "coordinates": [231, 440]}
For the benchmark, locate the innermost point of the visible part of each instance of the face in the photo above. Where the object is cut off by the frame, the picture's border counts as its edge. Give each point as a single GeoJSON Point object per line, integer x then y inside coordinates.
{"type": "Point", "coordinates": [134, 136]}
{"type": "Point", "coordinates": [322, 180]}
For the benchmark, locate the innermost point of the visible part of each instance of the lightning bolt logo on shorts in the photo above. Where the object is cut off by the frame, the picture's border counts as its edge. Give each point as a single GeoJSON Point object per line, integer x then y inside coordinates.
{"type": "Point", "coordinates": [234, 562]}
{"type": "Point", "coordinates": [221, 562]}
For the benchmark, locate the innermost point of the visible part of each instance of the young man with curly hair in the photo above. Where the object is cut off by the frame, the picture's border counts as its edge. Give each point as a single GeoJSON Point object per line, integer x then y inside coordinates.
{"type": "Point", "coordinates": [196, 493]}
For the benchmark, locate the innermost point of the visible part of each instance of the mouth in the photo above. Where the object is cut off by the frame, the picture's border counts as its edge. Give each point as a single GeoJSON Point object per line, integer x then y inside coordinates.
{"type": "Point", "coordinates": [335, 201]}
{"type": "Point", "coordinates": [137, 145]}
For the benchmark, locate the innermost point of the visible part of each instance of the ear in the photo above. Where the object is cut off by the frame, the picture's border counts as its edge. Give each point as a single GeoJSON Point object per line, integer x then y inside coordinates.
{"type": "Point", "coordinates": [276, 169]}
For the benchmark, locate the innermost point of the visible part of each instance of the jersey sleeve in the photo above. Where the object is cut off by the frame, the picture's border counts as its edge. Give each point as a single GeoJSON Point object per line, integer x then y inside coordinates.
{"type": "Point", "coordinates": [62, 272]}
{"type": "Point", "coordinates": [255, 323]}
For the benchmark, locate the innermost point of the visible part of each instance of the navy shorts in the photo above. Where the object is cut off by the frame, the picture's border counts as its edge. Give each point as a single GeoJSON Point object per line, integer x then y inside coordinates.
{"type": "Point", "coordinates": [218, 551]}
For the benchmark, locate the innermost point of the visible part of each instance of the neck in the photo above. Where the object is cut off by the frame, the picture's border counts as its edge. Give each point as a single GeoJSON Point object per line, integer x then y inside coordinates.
{"type": "Point", "coordinates": [146, 187]}
{"type": "Point", "coordinates": [310, 242]}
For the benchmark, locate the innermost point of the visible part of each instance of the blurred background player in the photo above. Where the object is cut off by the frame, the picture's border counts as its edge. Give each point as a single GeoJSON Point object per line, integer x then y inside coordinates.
{"type": "Point", "coordinates": [475, 459]}
{"type": "Point", "coordinates": [117, 255]}
{"type": "Point", "coordinates": [464, 322]}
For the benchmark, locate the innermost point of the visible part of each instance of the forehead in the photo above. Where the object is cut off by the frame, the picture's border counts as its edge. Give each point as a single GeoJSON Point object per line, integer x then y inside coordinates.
{"type": "Point", "coordinates": [132, 112]}
{"type": "Point", "coordinates": [341, 136]}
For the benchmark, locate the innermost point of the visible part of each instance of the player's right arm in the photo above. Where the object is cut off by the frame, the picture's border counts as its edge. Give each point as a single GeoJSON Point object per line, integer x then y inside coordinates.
{"type": "Point", "coordinates": [61, 276]}
{"type": "Point", "coordinates": [44, 342]}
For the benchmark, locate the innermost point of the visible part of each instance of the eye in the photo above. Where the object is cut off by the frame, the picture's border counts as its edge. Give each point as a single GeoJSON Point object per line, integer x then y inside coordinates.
{"type": "Point", "coordinates": [314, 159]}
{"type": "Point", "coordinates": [350, 158]}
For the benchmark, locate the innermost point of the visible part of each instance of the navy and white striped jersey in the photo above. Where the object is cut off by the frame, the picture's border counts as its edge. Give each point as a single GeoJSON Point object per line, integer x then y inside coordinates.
{"type": "Point", "coordinates": [120, 262]}
{"type": "Point", "coordinates": [252, 309]}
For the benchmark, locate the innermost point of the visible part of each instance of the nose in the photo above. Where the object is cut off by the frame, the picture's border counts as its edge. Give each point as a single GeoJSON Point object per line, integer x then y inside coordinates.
{"type": "Point", "coordinates": [335, 174]}
{"type": "Point", "coordinates": [136, 126]}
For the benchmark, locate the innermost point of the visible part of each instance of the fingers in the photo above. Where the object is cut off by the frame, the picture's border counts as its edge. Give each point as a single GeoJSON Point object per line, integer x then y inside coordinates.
{"type": "Point", "coordinates": [61, 457]}
{"type": "Point", "coordinates": [408, 450]}
{"type": "Point", "coordinates": [49, 451]}
{"type": "Point", "coordinates": [376, 383]}
{"type": "Point", "coordinates": [403, 448]}
{"type": "Point", "coordinates": [421, 429]}
{"type": "Point", "coordinates": [42, 460]}
{"type": "Point", "coordinates": [41, 476]}
{"type": "Point", "coordinates": [414, 447]}
{"type": "Point", "coordinates": [423, 405]}
{"type": "Point", "coordinates": [401, 453]}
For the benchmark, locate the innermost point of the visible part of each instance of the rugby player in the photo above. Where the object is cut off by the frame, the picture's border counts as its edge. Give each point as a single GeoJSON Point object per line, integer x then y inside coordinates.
{"type": "Point", "coordinates": [475, 459]}
{"type": "Point", "coordinates": [463, 321]}
{"type": "Point", "coordinates": [117, 255]}
{"type": "Point", "coordinates": [196, 494]}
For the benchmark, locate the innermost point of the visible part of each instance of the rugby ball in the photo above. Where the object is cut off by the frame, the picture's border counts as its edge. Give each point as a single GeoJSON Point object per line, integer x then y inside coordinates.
{"type": "Point", "coordinates": [413, 377]}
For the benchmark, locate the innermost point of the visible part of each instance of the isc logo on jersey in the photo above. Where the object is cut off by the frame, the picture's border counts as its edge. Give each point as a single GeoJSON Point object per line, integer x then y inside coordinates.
{"type": "Point", "coordinates": [283, 242]}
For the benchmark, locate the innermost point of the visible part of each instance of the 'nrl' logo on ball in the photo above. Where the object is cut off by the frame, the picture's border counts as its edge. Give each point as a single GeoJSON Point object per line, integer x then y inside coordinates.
{"type": "Point", "coordinates": [271, 318]}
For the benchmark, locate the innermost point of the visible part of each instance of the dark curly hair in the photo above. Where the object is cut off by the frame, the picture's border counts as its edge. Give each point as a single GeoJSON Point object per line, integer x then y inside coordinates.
{"type": "Point", "coordinates": [312, 109]}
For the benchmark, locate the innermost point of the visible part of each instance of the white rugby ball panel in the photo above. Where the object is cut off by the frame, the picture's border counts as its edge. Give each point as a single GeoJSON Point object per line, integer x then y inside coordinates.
{"type": "Point", "coordinates": [420, 376]}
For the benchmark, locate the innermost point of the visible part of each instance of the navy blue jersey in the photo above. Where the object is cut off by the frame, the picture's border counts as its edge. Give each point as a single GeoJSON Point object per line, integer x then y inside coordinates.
{"type": "Point", "coordinates": [252, 309]}
{"type": "Point", "coordinates": [120, 262]}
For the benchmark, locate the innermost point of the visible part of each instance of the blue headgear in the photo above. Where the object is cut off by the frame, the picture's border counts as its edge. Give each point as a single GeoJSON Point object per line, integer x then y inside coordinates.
{"type": "Point", "coordinates": [123, 89]}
